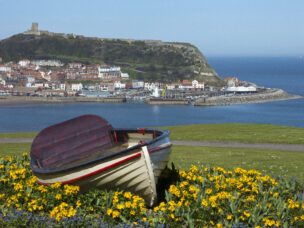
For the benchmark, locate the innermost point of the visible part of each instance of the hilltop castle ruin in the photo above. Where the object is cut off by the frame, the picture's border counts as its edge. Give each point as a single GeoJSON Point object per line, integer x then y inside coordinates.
{"type": "Point", "coordinates": [35, 31]}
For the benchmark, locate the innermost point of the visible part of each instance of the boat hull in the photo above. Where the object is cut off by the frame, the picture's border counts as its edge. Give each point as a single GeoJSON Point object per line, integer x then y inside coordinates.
{"type": "Point", "coordinates": [129, 172]}
{"type": "Point", "coordinates": [86, 151]}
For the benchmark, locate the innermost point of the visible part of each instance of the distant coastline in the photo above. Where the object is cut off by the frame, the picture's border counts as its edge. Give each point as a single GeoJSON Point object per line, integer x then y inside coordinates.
{"type": "Point", "coordinates": [11, 100]}
{"type": "Point", "coordinates": [269, 96]}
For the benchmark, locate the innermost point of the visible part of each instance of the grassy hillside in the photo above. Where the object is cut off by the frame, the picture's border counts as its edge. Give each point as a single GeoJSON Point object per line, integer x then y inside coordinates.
{"type": "Point", "coordinates": [250, 133]}
{"type": "Point", "coordinates": [283, 163]}
{"type": "Point", "coordinates": [149, 60]}
{"type": "Point", "coordinates": [18, 135]}
{"type": "Point", "coordinates": [277, 163]}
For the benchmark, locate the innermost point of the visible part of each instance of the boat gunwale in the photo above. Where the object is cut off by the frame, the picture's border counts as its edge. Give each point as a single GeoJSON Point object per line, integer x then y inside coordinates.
{"type": "Point", "coordinates": [165, 133]}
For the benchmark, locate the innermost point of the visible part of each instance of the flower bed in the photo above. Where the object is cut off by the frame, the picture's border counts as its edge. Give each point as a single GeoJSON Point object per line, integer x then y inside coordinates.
{"type": "Point", "coordinates": [198, 197]}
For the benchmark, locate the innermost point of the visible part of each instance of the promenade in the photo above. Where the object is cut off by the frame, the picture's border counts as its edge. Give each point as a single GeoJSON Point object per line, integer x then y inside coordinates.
{"type": "Point", "coordinates": [266, 146]}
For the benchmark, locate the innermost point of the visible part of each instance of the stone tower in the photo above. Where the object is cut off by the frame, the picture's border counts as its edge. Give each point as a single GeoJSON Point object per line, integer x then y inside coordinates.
{"type": "Point", "coordinates": [35, 27]}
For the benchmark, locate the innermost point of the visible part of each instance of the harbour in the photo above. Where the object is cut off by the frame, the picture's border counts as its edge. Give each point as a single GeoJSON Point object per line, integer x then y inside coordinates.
{"type": "Point", "coordinates": [283, 73]}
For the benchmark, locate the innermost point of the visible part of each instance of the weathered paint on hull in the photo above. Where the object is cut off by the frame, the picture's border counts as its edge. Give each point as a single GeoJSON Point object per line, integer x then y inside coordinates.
{"type": "Point", "coordinates": [129, 172]}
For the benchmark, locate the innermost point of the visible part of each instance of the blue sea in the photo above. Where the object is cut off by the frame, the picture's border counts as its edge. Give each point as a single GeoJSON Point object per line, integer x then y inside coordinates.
{"type": "Point", "coordinates": [286, 73]}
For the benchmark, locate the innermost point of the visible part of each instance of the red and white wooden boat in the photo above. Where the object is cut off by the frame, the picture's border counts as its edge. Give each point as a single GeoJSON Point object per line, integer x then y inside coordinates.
{"type": "Point", "coordinates": [88, 152]}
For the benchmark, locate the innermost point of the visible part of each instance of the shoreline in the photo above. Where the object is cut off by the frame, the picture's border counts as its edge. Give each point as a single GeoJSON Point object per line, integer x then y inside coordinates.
{"type": "Point", "coordinates": [11, 100]}
{"type": "Point", "coordinates": [269, 96]}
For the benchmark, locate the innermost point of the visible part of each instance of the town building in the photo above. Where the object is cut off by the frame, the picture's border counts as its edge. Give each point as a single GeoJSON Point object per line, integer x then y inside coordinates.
{"type": "Point", "coordinates": [109, 73]}
{"type": "Point", "coordinates": [136, 84]}
{"type": "Point", "coordinates": [24, 62]}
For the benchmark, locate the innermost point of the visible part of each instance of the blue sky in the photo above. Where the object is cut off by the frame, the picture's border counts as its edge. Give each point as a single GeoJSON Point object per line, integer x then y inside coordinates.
{"type": "Point", "coordinates": [216, 27]}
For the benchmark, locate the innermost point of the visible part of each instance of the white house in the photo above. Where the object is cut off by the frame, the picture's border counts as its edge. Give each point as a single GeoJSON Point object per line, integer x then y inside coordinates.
{"type": "Point", "coordinates": [106, 72]}
{"type": "Point", "coordinates": [107, 87]}
{"type": "Point", "coordinates": [5, 68]}
{"type": "Point", "coordinates": [198, 85]}
{"type": "Point", "coordinates": [119, 85]}
{"type": "Point", "coordinates": [76, 86]}
{"type": "Point", "coordinates": [75, 65]}
{"type": "Point", "coordinates": [24, 62]}
{"type": "Point", "coordinates": [2, 81]}
{"type": "Point", "coordinates": [136, 84]}
{"type": "Point", "coordinates": [124, 76]}
{"type": "Point", "coordinates": [103, 69]}
{"type": "Point", "coordinates": [42, 62]}
{"type": "Point", "coordinates": [150, 86]}
{"type": "Point", "coordinates": [231, 81]}
{"type": "Point", "coordinates": [62, 86]}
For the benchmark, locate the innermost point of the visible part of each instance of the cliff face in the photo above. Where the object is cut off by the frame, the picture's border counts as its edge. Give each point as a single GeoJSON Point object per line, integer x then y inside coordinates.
{"type": "Point", "coordinates": [142, 59]}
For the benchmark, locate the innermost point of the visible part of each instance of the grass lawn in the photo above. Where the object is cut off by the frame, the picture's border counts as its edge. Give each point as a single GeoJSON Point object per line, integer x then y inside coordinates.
{"type": "Point", "coordinates": [250, 133]}
{"type": "Point", "coordinates": [18, 135]}
{"type": "Point", "coordinates": [14, 148]}
{"type": "Point", "coordinates": [284, 163]}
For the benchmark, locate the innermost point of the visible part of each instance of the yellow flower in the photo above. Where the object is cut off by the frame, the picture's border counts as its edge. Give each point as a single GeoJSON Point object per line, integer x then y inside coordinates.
{"type": "Point", "coordinates": [156, 209]}
{"type": "Point", "coordinates": [78, 203]}
{"type": "Point", "coordinates": [56, 185]}
{"type": "Point", "coordinates": [120, 206]}
{"type": "Point", "coordinates": [128, 204]}
{"type": "Point", "coordinates": [193, 189]}
{"type": "Point", "coordinates": [208, 191]}
{"type": "Point", "coordinates": [229, 217]}
{"type": "Point", "coordinates": [172, 216]}
{"type": "Point", "coordinates": [132, 212]}
{"type": "Point", "coordinates": [205, 203]}
{"type": "Point", "coordinates": [109, 211]}
{"type": "Point", "coordinates": [200, 178]}
{"type": "Point", "coordinates": [115, 214]}
{"type": "Point", "coordinates": [42, 188]}
{"type": "Point", "coordinates": [71, 190]}
{"type": "Point", "coordinates": [128, 195]}
{"type": "Point", "coordinates": [246, 214]}
{"type": "Point", "coordinates": [174, 190]}
{"type": "Point", "coordinates": [58, 197]}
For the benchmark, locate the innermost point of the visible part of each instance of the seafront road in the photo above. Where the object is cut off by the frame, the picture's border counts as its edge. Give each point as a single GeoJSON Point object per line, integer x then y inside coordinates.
{"type": "Point", "coordinates": [267, 146]}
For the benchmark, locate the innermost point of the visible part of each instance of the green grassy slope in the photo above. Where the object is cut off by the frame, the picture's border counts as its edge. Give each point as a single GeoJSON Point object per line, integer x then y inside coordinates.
{"type": "Point", "coordinates": [18, 135]}
{"type": "Point", "coordinates": [283, 163]}
{"type": "Point", "coordinates": [250, 133]}
{"type": "Point", "coordinates": [278, 163]}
